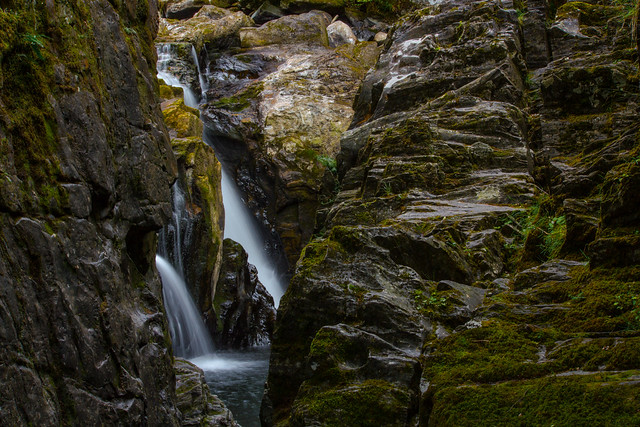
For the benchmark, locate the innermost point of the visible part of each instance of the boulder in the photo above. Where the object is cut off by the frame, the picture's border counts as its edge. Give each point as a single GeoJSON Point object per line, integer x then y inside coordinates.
{"type": "Point", "coordinates": [307, 28]}
{"type": "Point", "coordinates": [196, 403]}
{"type": "Point", "coordinates": [213, 27]}
{"type": "Point", "coordinates": [340, 33]}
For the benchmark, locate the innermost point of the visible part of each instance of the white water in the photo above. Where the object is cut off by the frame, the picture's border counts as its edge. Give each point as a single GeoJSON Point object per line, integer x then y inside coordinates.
{"type": "Point", "coordinates": [239, 222]}
{"type": "Point", "coordinates": [188, 333]}
{"type": "Point", "coordinates": [237, 377]}
{"type": "Point", "coordinates": [165, 56]}
{"type": "Point", "coordinates": [242, 227]}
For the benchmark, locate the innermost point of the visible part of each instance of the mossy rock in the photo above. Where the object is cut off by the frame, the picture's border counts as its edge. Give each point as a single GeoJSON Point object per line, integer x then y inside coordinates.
{"type": "Point", "coordinates": [310, 28]}
{"type": "Point", "coordinates": [183, 121]}
{"type": "Point", "coordinates": [597, 399]}
{"type": "Point", "coordinates": [354, 405]}
{"type": "Point", "coordinates": [589, 14]}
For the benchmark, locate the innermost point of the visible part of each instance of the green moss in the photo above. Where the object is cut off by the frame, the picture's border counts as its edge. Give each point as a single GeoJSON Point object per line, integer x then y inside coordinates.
{"type": "Point", "coordinates": [497, 351]}
{"type": "Point", "coordinates": [598, 399]}
{"type": "Point", "coordinates": [354, 405]}
{"type": "Point", "coordinates": [589, 14]}
{"type": "Point", "coordinates": [242, 99]}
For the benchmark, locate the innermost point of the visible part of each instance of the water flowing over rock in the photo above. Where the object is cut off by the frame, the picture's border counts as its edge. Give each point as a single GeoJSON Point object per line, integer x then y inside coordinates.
{"type": "Point", "coordinates": [85, 184]}
{"type": "Point", "coordinates": [443, 283]}
{"type": "Point", "coordinates": [278, 108]}
{"type": "Point", "coordinates": [193, 239]}
{"type": "Point", "coordinates": [189, 336]}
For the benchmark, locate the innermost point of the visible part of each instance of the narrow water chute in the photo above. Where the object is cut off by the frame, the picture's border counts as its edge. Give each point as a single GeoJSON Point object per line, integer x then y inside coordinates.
{"type": "Point", "coordinates": [188, 332]}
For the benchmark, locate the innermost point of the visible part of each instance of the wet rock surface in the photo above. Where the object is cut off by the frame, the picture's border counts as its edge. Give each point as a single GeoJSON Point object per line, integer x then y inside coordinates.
{"type": "Point", "coordinates": [85, 184]}
{"type": "Point", "coordinates": [243, 314]}
{"type": "Point", "coordinates": [482, 246]}
{"type": "Point", "coordinates": [196, 403]}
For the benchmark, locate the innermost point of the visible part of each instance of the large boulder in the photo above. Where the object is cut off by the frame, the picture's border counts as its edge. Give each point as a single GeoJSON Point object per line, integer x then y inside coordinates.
{"type": "Point", "coordinates": [307, 28]}
{"type": "Point", "coordinates": [211, 27]}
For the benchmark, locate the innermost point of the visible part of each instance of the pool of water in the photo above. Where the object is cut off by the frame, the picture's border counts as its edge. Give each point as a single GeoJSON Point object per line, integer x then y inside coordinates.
{"type": "Point", "coordinates": [238, 377]}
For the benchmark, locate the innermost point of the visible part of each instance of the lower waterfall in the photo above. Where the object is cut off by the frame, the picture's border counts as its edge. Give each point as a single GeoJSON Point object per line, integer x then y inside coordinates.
{"type": "Point", "coordinates": [188, 333]}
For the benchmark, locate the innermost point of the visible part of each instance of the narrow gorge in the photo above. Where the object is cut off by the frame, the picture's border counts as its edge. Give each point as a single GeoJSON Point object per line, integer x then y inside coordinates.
{"type": "Point", "coordinates": [319, 212]}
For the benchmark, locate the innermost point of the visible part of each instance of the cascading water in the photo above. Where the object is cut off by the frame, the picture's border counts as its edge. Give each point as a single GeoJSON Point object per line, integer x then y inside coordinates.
{"type": "Point", "coordinates": [177, 233]}
{"type": "Point", "coordinates": [188, 333]}
{"type": "Point", "coordinates": [241, 227]}
{"type": "Point", "coordinates": [165, 57]}
{"type": "Point", "coordinates": [236, 377]}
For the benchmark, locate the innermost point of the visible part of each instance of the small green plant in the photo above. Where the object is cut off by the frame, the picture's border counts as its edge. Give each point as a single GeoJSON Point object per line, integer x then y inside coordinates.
{"type": "Point", "coordinates": [629, 302]}
{"type": "Point", "coordinates": [328, 162]}
{"type": "Point", "coordinates": [521, 14]}
{"type": "Point", "coordinates": [386, 188]}
{"type": "Point", "coordinates": [36, 43]}
{"type": "Point", "coordinates": [554, 236]}
{"type": "Point", "coordinates": [430, 303]}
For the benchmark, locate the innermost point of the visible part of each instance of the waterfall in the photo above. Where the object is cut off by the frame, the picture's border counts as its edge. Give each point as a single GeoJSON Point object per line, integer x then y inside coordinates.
{"type": "Point", "coordinates": [188, 333]}
{"type": "Point", "coordinates": [241, 226]}
{"type": "Point", "coordinates": [177, 233]}
{"type": "Point", "coordinates": [165, 57]}
{"type": "Point", "coordinates": [196, 61]}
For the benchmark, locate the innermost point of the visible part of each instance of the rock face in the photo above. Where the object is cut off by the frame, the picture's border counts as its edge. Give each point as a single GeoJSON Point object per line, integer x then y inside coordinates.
{"type": "Point", "coordinates": [243, 314]}
{"type": "Point", "coordinates": [277, 109]}
{"type": "Point", "coordinates": [86, 169]}
{"type": "Point", "coordinates": [449, 282]}
{"type": "Point", "coordinates": [196, 403]}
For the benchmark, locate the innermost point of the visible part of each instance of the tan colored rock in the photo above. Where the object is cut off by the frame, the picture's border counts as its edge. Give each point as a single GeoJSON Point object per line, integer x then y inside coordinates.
{"type": "Point", "coordinates": [202, 29]}
{"type": "Point", "coordinates": [380, 37]}
{"type": "Point", "coordinates": [307, 28]}
{"type": "Point", "coordinates": [340, 33]}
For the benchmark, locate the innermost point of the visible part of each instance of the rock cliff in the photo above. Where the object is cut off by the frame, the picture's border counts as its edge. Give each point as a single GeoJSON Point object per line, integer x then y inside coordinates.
{"type": "Point", "coordinates": [479, 264]}
{"type": "Point", "coordinates": [85, 184]}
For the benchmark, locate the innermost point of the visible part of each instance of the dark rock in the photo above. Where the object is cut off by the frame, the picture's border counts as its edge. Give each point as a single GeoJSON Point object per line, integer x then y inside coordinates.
{"type": "Point", "coordinates": [196, 403]}
{"type": "Point", "coordinates": [243, 314]}
{"type": "Point", "coordinates": [84, 339]}
{"type": "Point", "coordinates": [266, 12]}
{"type": "Point", "coordinates": [557, 270]}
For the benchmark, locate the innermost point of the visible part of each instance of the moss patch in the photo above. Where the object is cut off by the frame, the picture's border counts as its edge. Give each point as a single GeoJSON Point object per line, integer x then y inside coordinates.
{"type": "Point", "coordinates": [353, 405]}
{"type": "Point", "coordinates": [602, 399]}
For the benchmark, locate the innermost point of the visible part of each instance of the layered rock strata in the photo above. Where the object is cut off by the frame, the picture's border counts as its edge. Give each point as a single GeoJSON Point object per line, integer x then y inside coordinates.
{"type": "Point", "coordinates": [479, 263]}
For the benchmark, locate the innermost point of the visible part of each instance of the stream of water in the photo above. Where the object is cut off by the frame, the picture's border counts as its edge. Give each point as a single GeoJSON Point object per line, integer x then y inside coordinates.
{"type": "Point", "coordinates": [237, 377]}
